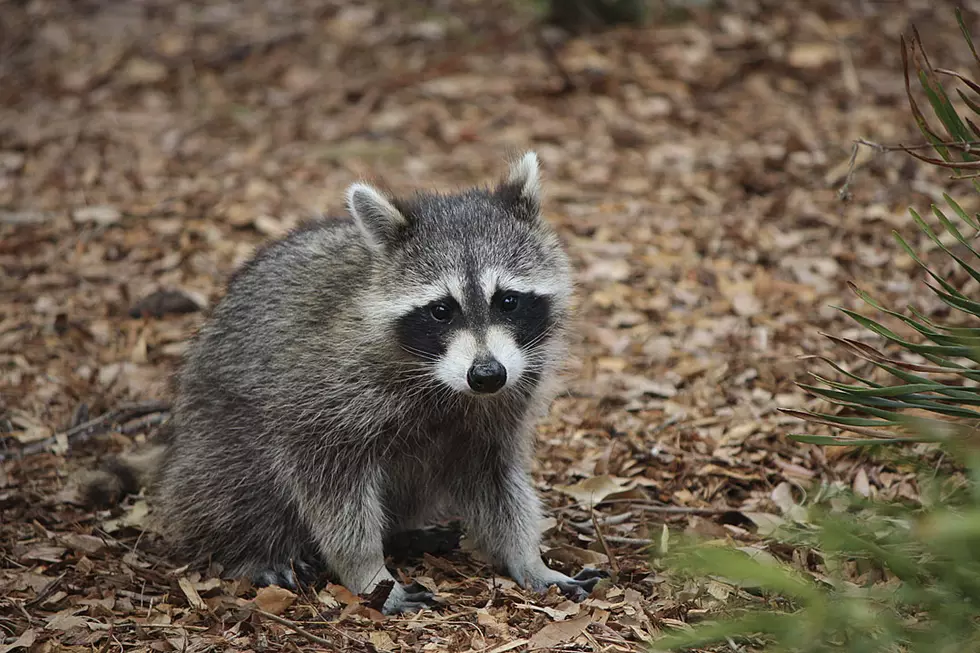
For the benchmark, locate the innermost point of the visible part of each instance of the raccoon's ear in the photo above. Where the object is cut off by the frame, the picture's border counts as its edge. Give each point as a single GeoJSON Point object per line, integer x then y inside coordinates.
{"type": "Point", "coordinates": [379, 220]}
{"type": "Point", "coordinates": [521, 189]}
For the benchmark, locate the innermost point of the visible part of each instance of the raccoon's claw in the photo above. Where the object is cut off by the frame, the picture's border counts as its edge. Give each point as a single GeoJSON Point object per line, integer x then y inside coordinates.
{"type": "Point", "coordinates": [409, 598]}
{"type": "Point", "coordinates": [581, 585]}
{"type": "Point", "coordinates": [589, 573]}
{"type": "Point", "coordinates": [576, 588]}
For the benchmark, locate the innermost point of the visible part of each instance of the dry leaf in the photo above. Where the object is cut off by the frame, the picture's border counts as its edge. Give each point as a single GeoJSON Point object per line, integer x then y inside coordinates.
{"type": "Point", "coordinates": [100, 215]}
{"type": "Point", "coordinates": [194, 598]}
{"type": "Point", "coordinates": [861, 484]}
{"type": "Point", "coordinates": [66, 620]}
{"type": "Point", "coordinates": [765, 522]}
{"type": "Point", "coordinates": [593, 490]}
{"type": "Point", "coordinates": [782, 496]}
{"type": "Point", "coordinates": [273, 599]}
{"type": "Point", "coordinates": [135, 517]}
{"type": "Point", "coordinates": [381, 640]}
{"type": "Point", "coordinates": [813, 55]}
{"type": "Point", "coordinates": [173, 301]}
{"type": "Point", "coordinates": [26, 640]}
{"type": "Point", "coordinates": [343, 594]}
{"type": "Point", "coordinates": [327, 600]}
{"type": "Point", "coordinates": [560, 632]}
{"type": "Point", "coordinates": [87, 544]}
{"type": "Point", "coordinates": [576, 556]}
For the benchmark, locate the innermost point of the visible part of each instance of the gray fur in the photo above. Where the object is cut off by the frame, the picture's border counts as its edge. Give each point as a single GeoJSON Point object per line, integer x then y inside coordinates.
{"type": "Point", "coordinates": [303, 435]}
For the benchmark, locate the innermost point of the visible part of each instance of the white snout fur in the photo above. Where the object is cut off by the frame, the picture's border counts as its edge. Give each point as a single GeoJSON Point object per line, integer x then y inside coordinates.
{"type": "Point", "coordinates": [465, 348]}
{"type": "Point", "coordinates": [502, 346]}
{"type": "Point", "coordinates": [455, 363]}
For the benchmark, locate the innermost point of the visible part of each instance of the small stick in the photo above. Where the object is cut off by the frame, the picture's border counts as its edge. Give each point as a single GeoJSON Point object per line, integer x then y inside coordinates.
{"type": "Point", "coordinates": [613, 563]}
{"type": "Point", "coordinates": [296, 628]}
{"type": "Point", "coordinates": [616, 539]}
{"type": "Point", "coordinates": [137, 425]}
{"type": "Point", "coordinates": [844, 192]}
{"type": "Point", "coordinates": [668, 510]}
{"type": "Point", "coordinates": [98, 425]}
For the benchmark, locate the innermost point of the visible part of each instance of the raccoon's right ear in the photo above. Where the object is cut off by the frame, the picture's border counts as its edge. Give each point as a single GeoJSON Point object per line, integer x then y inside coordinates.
{"type": "Point", "coordinates": [521, 189]}
{"type": "Point", "coordinates": [379, 220]}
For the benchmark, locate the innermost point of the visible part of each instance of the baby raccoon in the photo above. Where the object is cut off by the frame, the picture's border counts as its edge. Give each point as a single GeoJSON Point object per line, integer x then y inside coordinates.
{"type": "Point", "coordinates": [362, 378]}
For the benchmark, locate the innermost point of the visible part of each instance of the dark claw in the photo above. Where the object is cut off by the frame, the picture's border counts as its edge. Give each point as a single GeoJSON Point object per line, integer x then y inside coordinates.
{"type": "Point", "coordinates": [589, 572]}
{"type": "Point", "coordinates": [415, 598]}
{"type": "Point", "coordinates": [581, 585]}
{"type": "Point", "coordinates": [409, 606]}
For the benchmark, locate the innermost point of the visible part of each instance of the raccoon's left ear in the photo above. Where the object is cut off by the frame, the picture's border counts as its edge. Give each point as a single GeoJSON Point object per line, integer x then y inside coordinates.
{"type": "Point", "coordinates": [379, 220]}
{"type": "Point", "coordinates": [521, 190]}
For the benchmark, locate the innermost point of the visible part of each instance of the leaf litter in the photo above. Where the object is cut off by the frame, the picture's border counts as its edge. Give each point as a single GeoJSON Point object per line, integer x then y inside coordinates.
{"type": "Point", "coordinates": [692, 168]}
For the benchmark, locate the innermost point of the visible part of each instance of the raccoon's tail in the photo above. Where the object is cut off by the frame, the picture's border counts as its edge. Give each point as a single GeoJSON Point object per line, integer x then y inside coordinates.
{"type": "Point", "coordinates": [125, 474]}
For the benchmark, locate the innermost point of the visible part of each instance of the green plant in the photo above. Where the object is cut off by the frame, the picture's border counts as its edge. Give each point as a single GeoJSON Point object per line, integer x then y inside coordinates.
{"type": "Point", "coordinates": [887, 576]}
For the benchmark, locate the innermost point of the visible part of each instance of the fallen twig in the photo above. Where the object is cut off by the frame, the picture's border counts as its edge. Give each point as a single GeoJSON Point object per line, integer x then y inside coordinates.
{"type": "Point", "coordinates": [296, 628]}
{"type": "Point", "coordinates": [617, 539]}
{"type": "Point", "coordinates": [681, 510]}
{"type": "Point", "coordinates": [611, 520]}
{"type": "Point", "coordinates": [613, 563]}
{"type": "Point", "coordinates": [656, 507]}
{"type": "Point", "coordinates": [143, 423]}
{"type": "Point", "coordinates": [97, 426]}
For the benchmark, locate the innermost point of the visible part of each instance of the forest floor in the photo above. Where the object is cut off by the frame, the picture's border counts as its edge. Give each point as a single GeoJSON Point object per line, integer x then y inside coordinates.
{"type": "Point", "coordinates": [692, 167]}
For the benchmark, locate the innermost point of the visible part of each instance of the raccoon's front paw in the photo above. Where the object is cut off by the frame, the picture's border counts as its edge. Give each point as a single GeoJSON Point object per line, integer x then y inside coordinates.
{"type": "Point", "coordinates": [579, 587]}
{"type": "Point", "coordinates": [408, 598]}
{"type": "Point", "coordinates": [576, 588]}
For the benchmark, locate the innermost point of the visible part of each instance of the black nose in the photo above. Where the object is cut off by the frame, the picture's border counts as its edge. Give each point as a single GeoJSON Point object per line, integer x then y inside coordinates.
{"type": "Point", "coordinates": [486, 377]}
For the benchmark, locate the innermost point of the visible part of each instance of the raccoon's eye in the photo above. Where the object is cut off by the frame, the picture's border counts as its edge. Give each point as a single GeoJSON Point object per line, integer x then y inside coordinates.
{"type": "Point", "coordinates": [441, 312]}
{"type": "Point", "coordinates": [509, 303]}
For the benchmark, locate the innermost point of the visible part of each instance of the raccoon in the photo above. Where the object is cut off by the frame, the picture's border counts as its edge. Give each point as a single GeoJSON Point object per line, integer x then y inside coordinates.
{"type": "Point", "coordinates": [365, 377]}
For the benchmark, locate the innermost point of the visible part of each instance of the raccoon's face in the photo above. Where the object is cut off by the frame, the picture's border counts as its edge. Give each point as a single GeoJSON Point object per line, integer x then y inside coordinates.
{"type": "Point", "coordinates": [475, 286]}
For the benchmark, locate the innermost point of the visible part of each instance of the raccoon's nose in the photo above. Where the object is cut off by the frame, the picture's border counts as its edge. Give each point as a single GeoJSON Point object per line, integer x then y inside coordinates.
{"type": "Point", "coordinates": [486, 376]}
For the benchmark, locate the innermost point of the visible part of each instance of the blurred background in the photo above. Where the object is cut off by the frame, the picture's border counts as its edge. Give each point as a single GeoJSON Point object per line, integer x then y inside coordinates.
{"type": "Point", "coordinates": [692, 153]}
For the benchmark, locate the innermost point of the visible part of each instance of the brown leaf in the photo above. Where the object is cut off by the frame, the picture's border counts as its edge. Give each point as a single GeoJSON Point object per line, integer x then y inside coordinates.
{"type": "Point", "coordinates": [813, 55]}
{"type": "Point", "coordinates": [560, 632]}
{"type": "Point", "coordinates": [576, 556]}
{"type": "Point", "coordinates": [593, 490]}
{"type": "Point", "coordinates": [45, 553]}
{"type": "Point", "coordinates": [861, 484]}
{"type": "Point", "coordinates": [766, 522]}
{"type": "Point", "coordinates": [327, 600]}
{"type": "Point", "coordinates": [66, 620]}
{"type": "Point", "coordinates": [381, 640]}
{"type": "Point", "coordinates": [343, 594]}
{"type": "Point", "coordinates": [165, 302]}
{"type": "Point", "coordinates": [198, 603]}
{"type": "Point", "coordinates": [100, 215]}
{"type": "Point", "coordinates": [26, 640]}
{"type": "Point", "coordinates": [273, 599]}
{"type": "Point", "coordinates": [87, 544]}
{"type": "Point", "coordinates": [509, 646]}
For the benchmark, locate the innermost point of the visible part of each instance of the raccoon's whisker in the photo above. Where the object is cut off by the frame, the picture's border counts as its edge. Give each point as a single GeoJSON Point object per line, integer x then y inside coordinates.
{"type": "Point", "coordinates": [547, 333]}
{"type": "Point", "coordinates": [424, 355]}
